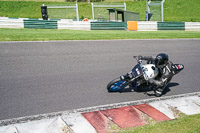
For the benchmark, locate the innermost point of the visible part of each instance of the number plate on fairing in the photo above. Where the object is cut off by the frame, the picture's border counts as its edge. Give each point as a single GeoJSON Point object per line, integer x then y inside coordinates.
{"type": "Point", "coordinates": [137, 71]}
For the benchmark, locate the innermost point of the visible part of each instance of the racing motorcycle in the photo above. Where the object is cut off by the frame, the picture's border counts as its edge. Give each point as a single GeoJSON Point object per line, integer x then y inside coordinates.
{"type": "Point", "coordinates": [139, 76]}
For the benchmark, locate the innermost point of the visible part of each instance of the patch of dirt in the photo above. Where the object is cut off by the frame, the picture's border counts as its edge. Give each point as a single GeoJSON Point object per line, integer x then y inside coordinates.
{"type": "Point", "coordinates": [175, 111]}
{"type": "Point", "coordinates": [148, 119]}
{"type": "Point", "coordinates": [112, 127]}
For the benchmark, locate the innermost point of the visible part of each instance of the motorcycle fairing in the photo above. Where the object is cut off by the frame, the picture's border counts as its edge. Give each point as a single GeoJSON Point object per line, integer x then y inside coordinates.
{"type": "Point", "coordinates": [177, 68]}
{"type": "Point", "coordinates": [137, 71]}
{"type": "Point", "coordinates": [151, 71]}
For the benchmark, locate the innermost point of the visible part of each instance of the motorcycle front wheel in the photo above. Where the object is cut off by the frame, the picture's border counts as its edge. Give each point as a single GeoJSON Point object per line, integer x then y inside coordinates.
{"type": "Point", "coordinates": [116, 85]}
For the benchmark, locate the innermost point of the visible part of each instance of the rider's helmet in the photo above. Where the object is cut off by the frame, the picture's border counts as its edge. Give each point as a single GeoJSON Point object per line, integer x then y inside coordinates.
{"type": "Point", "coordinates": [161, 60]}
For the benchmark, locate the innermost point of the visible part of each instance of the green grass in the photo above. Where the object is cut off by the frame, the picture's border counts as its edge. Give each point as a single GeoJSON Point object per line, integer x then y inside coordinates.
{"type": "Point", "coordinates": [186, 124]}
{"type": "Point", "coordinates": [54, 34]}
{"type": "Point", "coordinates": [182, 10]}
{"type": "Point", "coordinates": [174, 10]}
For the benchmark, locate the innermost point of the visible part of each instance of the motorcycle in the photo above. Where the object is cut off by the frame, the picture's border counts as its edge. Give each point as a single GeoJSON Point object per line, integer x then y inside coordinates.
{"type": "Point", "coordinates": [139, 76]}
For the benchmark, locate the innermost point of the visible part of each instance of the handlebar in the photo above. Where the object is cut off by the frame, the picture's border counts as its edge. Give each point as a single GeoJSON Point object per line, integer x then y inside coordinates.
{"type": "Point", "coordinates": [136, 57]}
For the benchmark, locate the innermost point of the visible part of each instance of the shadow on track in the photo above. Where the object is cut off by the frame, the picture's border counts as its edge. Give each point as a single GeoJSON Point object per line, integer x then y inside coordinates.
{"type": "Point", "coordinates": [147, 90]}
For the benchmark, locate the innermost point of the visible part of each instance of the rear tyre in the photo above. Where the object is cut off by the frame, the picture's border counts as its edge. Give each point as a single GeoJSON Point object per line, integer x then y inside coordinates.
{"type": "Point", "coordinates": [116, 85]}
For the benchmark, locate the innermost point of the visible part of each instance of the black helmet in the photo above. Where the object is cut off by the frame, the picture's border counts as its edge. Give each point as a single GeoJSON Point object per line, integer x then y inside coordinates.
{"type": "Point", "coordinates": [161, 60]}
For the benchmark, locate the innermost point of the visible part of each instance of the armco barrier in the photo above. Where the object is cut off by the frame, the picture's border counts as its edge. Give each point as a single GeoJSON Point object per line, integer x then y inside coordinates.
{"type": "Point", "coordinates": [108, 26]}
{"type": "Point", "coordinates": [147, 26]}
{"type": "Point", "coordinates": [11, 23]}
{"type": "Point", "coordinates": [40, 24]}
{"type": "Point", "coordinates": [192, 26]}
{"type": "Point", "coordinates": [74, 25]}
{"type": "Point", "coordinates": [171, 25]}
{"type": "Point", "coordinates": [6, 22]}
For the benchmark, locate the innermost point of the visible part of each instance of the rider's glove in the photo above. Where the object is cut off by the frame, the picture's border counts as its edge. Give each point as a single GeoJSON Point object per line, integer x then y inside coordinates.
{"type": "Point", "coordinates": [139, 57]}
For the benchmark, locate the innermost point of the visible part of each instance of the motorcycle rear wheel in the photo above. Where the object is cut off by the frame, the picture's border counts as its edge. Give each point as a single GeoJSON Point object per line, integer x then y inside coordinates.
{"type": "Point", "coordinates": [116, 85]}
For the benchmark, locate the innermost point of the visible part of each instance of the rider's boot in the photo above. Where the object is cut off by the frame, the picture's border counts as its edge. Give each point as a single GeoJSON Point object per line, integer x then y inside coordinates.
{"type": "Point", "coordinates": [158, 92]}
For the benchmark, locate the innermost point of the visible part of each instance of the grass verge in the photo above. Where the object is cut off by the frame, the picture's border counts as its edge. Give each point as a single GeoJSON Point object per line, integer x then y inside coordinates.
{"type": "Point", "coordinates": [184, 124]}
{"type": "Point", "coordinates": [174, 10]}
{"type": "Point", "coordinates": [54, 34]}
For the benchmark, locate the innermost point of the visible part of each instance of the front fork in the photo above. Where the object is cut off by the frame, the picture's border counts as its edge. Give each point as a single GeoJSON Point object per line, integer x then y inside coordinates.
{"type": "Point", "coordinates": [130, 79]}
{"type": "Point", "coordinates": [127, 76]}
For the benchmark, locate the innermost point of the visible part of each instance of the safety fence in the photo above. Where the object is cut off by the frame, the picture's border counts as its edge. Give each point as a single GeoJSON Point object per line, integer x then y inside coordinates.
{"type": "Point", "coordinates": [74, 25]}
{"type": "Point", "coordinates": [171, 25]}
{"type": "Point", "coordinates": [11, 23]}
{"type": "Point", "coordinates": [108, 26]}
{"type": "Point", "coordinates": [147, 26]}
{"type": "Point", "coordinates": [192, 26]}
{"type": "Point", "coordinates": [154, 26]}
{"type": "Point", "coordinates": [40, 24]}
{"type": "Point", "coordinates": [87, 25]}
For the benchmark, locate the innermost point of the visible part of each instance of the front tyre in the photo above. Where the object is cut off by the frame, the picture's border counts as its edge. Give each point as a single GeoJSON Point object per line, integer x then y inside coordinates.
{"type": "Point", "coordinates": [116, 85]}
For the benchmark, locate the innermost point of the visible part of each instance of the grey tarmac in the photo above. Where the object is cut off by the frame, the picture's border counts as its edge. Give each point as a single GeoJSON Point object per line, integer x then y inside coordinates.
{"type": "Point", "coordinates": [44, 77]}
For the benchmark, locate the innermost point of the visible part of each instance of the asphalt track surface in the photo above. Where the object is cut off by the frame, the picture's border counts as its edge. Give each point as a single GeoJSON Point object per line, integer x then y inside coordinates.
{"type": "Point", "coordinates": [45, 77]}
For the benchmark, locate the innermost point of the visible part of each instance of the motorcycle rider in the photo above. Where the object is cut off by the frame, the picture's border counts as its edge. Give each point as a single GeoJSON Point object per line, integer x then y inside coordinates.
{"type": "Point", "coordinates": [164, 66]}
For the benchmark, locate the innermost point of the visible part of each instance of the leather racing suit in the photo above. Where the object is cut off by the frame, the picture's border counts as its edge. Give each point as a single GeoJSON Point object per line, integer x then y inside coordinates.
{"type": "Point", "coordinates": [165, 74]}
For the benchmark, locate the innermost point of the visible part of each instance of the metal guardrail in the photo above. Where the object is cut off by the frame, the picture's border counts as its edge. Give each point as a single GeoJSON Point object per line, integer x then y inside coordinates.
{"type": "Point", "coordinates": [108, 26]}
{"type": "Point", "coordinates": [171, 25]}
{"type": "Point", "coordinates": [43, 24]}
{"type": "Point", "coordinates": [192, 26]}
{"type": "Point", "coordinates": [11, 23]}
{"type": "Point", "coordinates": [74, 25]}
{"type": "Point", "coordinates": [40, 24]}
{"type": "Point", "coordinates": [147, 26]}
{"type": "Point", "coordinates": [80, 25]}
